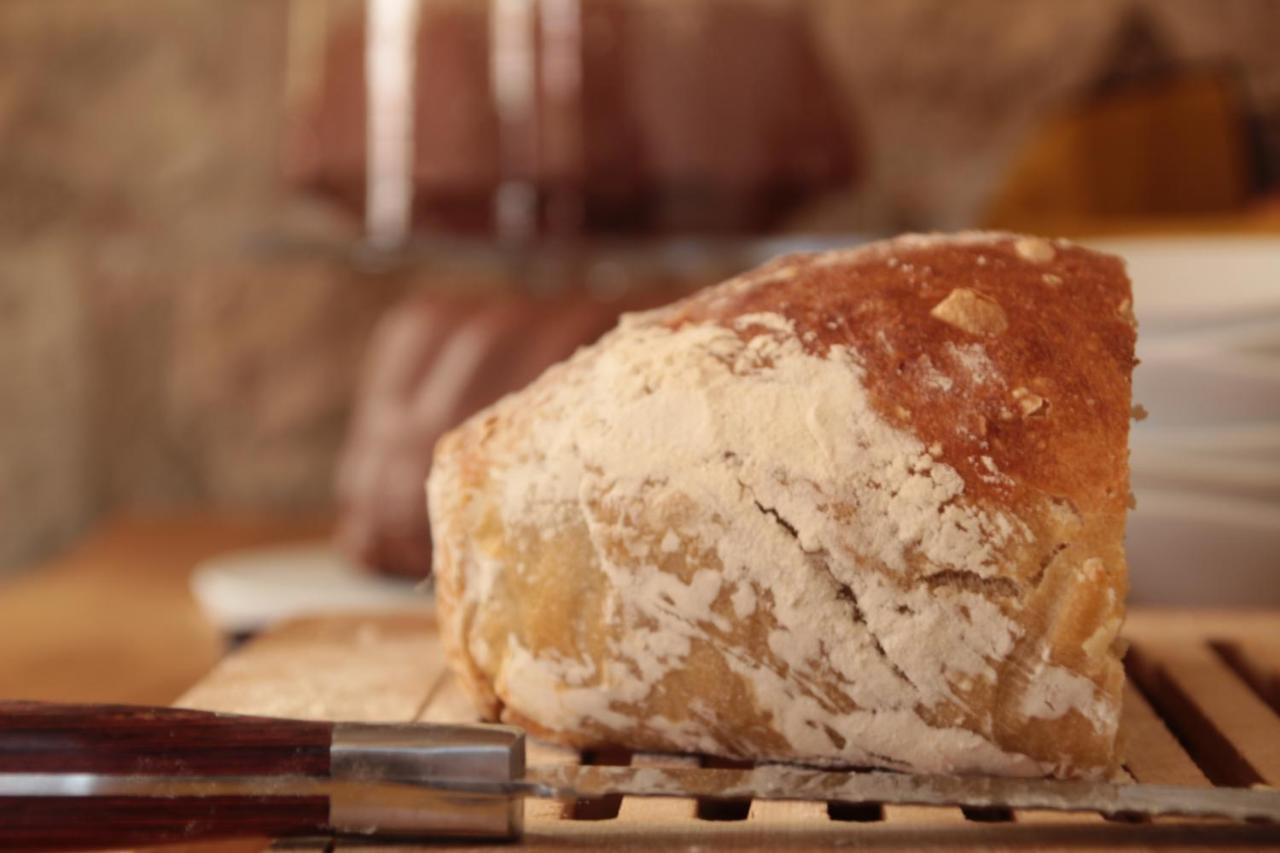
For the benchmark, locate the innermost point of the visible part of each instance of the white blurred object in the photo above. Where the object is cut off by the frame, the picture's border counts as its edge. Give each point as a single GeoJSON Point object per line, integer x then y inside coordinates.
{"type": "Point", "coordinates": [1206, 461]}
{"type": "Point", "coordinates": [1189, 282]}
{"type": "Point", "coordinates": [390, 28]}
{"type": "Point", "coordinates": [1226, 373]}
{"type": "Point", "coordinates": [1191, 392]}
{"type": "Point", "coordinates": [245, 591]}
{"type": "Point", "coordinates": [1232, 460]}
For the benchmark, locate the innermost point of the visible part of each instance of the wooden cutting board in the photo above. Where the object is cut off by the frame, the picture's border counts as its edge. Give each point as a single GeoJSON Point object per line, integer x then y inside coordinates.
{"type": "Point", "coordinates": [1202, 708]}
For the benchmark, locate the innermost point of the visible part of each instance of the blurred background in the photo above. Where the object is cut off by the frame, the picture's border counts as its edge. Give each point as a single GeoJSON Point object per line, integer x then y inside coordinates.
{"type": "Point", "coordinates": [255, 255]}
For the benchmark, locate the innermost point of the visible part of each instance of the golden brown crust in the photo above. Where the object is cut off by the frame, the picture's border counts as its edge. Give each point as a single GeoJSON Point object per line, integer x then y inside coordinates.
{"type": "Point", "coordinates": [1007, 357]}
{"type": "Point", "coordinates": [1072, 345]}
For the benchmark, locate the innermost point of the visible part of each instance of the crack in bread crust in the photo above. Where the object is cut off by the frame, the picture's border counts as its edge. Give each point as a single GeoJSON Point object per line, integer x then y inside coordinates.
{"type": "Point", "coordinates": [844, 592]}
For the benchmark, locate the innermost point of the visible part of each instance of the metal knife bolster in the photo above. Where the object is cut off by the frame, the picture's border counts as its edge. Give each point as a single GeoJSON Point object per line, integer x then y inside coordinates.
{"type": "Point", "coordinates": [483, 762]}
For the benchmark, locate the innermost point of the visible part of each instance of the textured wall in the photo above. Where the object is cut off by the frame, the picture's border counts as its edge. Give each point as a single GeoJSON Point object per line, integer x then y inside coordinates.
{"type": "Point", "coordinates": [148, 358]}
{"type": "Point", "coordinates": [44, 496]}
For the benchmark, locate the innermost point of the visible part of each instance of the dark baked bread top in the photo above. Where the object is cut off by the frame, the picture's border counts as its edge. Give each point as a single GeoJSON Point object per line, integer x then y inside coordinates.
{"type": "Point", "coordinates": [1013, 354]}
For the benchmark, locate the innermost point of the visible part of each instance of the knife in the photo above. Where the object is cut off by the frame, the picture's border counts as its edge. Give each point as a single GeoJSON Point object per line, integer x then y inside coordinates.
{"type": "Point", "coordinates": [81, 776]}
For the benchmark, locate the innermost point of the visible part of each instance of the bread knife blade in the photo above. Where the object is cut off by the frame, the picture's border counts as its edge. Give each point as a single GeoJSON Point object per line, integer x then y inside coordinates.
{"type": "Point", "coordinates": [81, 776]}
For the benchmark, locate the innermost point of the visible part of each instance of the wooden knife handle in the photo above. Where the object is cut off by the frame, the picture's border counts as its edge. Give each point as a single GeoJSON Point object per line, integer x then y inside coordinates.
{"type": "Point", "coordinates": [95, 776]}
{"type": "Point", "coordinates": [125, 741]}
{"type": "Point", "coordinates": [36, 737]}
{"type": "Point", "coordinates": [111, 823]}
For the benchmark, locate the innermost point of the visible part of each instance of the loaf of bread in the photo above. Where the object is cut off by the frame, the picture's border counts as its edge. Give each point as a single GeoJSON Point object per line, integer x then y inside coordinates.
{"type": "Point", "coordinates": [861, 508]}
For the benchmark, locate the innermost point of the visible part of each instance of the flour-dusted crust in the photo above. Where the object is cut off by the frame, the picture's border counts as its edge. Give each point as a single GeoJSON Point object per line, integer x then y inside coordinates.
{"type": "Point", "coordinates": [862, 507]}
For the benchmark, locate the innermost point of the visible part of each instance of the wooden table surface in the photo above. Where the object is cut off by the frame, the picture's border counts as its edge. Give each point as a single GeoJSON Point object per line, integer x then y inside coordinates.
{"type": "Point", "coordinates": [112, 619]}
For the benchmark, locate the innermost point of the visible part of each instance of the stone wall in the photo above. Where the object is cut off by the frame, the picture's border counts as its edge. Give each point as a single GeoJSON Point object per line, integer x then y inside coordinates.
{"type": "Point", "coordinates": [151, 357]}
{"type": "Point", "coordinates": [137, 162]}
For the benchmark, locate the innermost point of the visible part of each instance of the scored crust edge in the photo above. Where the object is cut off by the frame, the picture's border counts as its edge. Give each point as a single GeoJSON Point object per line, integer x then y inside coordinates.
{"type": "Point", "coordinates": [1007, 358]}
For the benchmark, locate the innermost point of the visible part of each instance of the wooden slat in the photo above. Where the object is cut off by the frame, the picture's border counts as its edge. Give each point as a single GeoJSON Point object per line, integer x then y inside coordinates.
{"type": "Point", "coordinates": [924, 815]}
{"type": "Point", "coordinates": [645, 811]}
{"type": "Point", "coordinates": [1147, 625]}
{"type": "Point", "coordinates": [781, 813]}
{"type": "Point", "coordinates": [1226, 702]}
{"type": "Point", "coordinates": [1256, 660]}
{"type": "Point", "coordinates": [1152, 753]}
{"type": "Point", "coordinates": [357, 668]}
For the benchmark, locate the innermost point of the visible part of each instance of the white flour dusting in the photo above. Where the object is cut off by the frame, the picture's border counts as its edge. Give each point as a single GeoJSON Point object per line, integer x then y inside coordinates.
{"type": "Point", "coordinates": [794, 483]}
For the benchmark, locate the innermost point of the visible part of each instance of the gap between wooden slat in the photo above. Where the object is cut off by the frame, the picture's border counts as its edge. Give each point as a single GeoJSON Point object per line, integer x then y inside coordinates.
{"type": "Point", "coordinates": [1232, 735]}
{"type": "Point", "coordinates": [601, 808]}
{"type": "Point", "coordinates": [727, 811]}
{"type": "Point", "coordinates": [855, 812]}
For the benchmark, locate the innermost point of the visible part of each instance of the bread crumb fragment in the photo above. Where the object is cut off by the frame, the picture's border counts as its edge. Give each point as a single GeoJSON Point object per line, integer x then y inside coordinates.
{"type": "Point", "coordinates": [1125, 309]}
{"type": "Point", "coordinates": [1138, 412]}
{"type": "Point", "coordinates": [1030, 403]}
{"type": "Point", "coordinates": [1034, 249]}
{"type": "Point", "coordinates": [1097, 644]}
{"type": "Point", "coordinates": [971, 312]}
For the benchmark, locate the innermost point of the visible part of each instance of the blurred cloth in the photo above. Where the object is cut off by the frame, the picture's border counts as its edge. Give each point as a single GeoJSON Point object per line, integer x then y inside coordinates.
{"type": "Point", "coordinates": [432, 362]}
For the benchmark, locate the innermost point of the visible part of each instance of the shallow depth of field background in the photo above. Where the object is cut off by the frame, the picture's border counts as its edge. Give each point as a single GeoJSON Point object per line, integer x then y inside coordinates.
{"type": "Point", "coordinates": [182, 311]}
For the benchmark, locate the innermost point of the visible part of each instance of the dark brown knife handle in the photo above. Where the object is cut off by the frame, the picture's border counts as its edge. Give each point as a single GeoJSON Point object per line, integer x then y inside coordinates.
{"type": "Point", "coordinates": [124, 740]}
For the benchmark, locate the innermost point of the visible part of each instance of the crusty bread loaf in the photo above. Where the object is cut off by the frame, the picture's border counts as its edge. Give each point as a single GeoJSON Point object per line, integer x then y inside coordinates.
{"type": "Point", "coordinates": [862, 507]}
